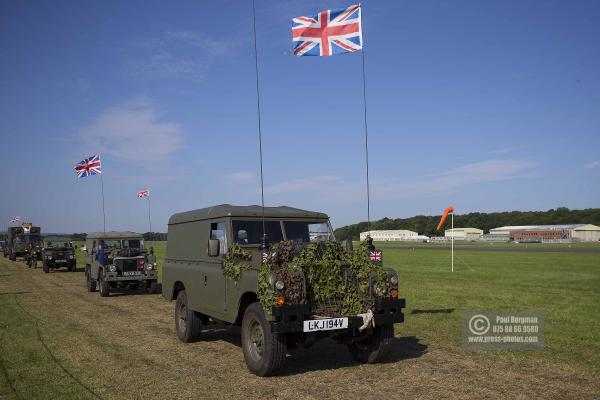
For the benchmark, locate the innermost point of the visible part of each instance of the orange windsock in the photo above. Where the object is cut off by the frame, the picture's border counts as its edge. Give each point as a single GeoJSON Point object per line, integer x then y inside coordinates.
{"type": "Point", "coordinates": [444, 216]}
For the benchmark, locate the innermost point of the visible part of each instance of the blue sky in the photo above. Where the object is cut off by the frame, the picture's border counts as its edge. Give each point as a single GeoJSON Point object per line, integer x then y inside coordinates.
{"type": "Point", "coordinates": [486, 106]}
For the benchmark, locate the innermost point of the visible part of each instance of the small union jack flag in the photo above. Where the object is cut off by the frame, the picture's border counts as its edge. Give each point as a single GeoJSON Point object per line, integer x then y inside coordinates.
{"type": "Point", "coordinates": [330, 32]}
{"type": "Point", "coordinates": [88, 167]}
{"type": "Point", "coordinates": [16, 218]}
{"type": "Point", "coordinates": [375, 256]}
{"type": "Point", "coordinates": [264, 257]}
{"type": "Point", "coordinates": [144, 193]}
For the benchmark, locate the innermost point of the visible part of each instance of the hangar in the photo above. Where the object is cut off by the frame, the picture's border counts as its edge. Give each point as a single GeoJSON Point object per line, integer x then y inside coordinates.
{"type": "Point", "coordinates": [546, 233]}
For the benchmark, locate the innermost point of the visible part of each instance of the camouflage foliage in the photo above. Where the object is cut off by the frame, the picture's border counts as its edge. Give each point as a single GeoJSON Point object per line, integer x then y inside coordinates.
{"type": "Point", "coordinates": [237, 260]}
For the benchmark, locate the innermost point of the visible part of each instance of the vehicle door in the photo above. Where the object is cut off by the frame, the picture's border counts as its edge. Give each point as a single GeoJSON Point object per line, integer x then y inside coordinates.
{"type": "Point", "coordinates": [213, 280]}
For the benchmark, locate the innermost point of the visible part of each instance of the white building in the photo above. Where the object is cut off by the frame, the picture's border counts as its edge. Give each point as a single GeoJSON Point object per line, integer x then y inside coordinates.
{"type": "Point", "coordinates": [467, 234]}
{"type": "Point", "coordinates": [575, 232]}
{"type": "Point", "coordinates": [388, 236]}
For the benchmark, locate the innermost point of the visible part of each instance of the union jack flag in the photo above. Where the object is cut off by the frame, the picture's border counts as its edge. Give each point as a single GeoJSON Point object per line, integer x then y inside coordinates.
{"type": "Point", "coordinates": [16, 218]}
{"type": "Point", "coordinates": [330, 32]}
{"type": "Point", "coordinates": [264, 257]}
{"type": "Point", "coordinates": [88, 167]}
{"type": "Point", "coordinates": [144, 193]}
{"type": "Point", "coordinates": [375, 256]}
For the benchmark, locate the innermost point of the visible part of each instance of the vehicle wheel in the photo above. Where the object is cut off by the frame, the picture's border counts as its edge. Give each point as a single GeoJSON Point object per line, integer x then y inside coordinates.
{"type": "Point", "coordinates": [264, 351]}
{"type": "Point", "coordinates": [45, 268]}
{"type": "Point", "coordinates": [74, 267]}
{"type": "Point", "coordinates": [152, 287]}
{"type": "Point", "coordinates": [104, 286]}
{"type": "Point", "coordinates": [187, 321]}
{"type": "Point", "coordinates": [34, 263]}
{"type": "Point", "coordinates": [375, 347]}
{"type": "Point", "coordinates": [90, 282]}
{"type": "Point", "coordinates": [12, 257]}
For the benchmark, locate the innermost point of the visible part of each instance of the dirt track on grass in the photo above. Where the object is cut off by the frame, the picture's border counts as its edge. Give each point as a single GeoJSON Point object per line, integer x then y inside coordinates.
{"type": "Point", "coordinates": [125, 346]}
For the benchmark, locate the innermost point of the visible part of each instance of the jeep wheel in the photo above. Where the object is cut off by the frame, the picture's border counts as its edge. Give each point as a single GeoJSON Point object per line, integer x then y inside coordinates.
{"type": "Point", "coordinates": [45, 268]}
{"type": "Point", "coordinates": [74, 267]}
{"type": "Point", "coordinates": [374, 348]}
{"type": "Point", "coordinates": [104, 286]}
{"type": "Point", "coordinates": [187, 322]}
{"type": "Point", "coordinates": [152, 287]}
{"type": "Point", "coordinates": [90, 282]}
{"type": "Point", "coordinates": [12, 257]}
{"type": "Point", "coordinates": [264, 351]}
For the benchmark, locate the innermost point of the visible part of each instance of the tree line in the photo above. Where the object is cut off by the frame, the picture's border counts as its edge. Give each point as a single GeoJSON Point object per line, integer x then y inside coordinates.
{"type": "Point", "coordinates": [426, 224]}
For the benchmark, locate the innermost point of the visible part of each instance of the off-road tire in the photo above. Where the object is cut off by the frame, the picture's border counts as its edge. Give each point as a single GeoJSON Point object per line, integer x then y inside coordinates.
{"type": "Point", "coordinates": [152, 287]}
{"type": "Point", "coordinates": [104, 286]}
{"type": "Point", "coordinates": [45, 268]}
{"type": "Point", "coordinates": [188, 323]}
{"type": "Point", "coordinates": [12, 257]}
{"type": "Point", "coordinates": [73, 267]}
{"type": "Point", "coordinates": [264, 351]}
{"type": "Point", "coordinates": [90, 282]}
{"type": "Point", "coordinates": [374, 348]}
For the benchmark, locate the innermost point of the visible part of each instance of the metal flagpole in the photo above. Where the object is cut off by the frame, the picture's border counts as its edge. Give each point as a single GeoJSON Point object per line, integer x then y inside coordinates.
{"type": "Point", "coordinates": [366, 134]}
{"type": "Point", "coordinates": [103, 212]}
{"type": "Point", "coordinates": [262, 187]}
{"type": "Point", "coordinates": [150, 220]}
{"type": "Point", "coordinates": [452, 241]}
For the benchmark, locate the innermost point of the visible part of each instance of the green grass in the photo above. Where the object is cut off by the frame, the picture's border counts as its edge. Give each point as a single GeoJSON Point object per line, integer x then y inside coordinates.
{"type": "Point", "coordinates": [565, 286]}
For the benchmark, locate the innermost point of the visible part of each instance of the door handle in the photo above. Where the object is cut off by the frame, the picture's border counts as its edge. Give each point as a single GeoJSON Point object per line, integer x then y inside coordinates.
{"type": "Point", "coordinates": [205, 278]}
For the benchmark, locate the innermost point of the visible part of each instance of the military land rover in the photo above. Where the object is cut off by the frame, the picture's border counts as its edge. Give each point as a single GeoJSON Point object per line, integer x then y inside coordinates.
{"type": "Point", "coordinates": [303, 286]}
{"type": "Point", "coordinates": [119, 260]}
{"type": "Point", "coordinates": [23, 241]}
{"type": "Point", "coordinates": [58, 252]}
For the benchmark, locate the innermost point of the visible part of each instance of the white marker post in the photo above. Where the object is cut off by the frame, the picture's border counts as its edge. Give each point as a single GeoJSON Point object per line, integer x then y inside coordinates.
{"type": "Point", "coordinates": [452, 246]}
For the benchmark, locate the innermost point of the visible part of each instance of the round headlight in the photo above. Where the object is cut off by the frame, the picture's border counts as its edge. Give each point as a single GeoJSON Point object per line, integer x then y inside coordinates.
{"type": "Point", "coordinates": [49, 257]}
{"type": "Point", "coordinates": [71, 256]}
{"type": "Point", "coordinates": [394, 280]}
{"type": "Point", "coordinates": [279, 285]}
{"type": "Point", "coordinates": [112, 268]}
{"type": "Point", "coordinates": [149, 266]}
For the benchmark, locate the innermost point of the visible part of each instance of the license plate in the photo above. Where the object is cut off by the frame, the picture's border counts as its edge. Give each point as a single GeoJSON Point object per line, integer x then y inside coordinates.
{"type": "Point", "coordinates": [60, 261]}
{"type": "Point", "coordinates": [132, 273]}
{"type": "Point", "coordinates": [328, 324]}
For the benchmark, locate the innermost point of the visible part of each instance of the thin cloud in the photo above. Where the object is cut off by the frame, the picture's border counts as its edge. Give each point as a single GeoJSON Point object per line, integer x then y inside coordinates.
{"type": "Point", "coordinates": [312, 184]}
{"type": "Point", "coordinates": [133, 132]}
{"type": "Point", "coordinates": [593, 164]}
{"type": "Point", "coordinates": [241, 177]}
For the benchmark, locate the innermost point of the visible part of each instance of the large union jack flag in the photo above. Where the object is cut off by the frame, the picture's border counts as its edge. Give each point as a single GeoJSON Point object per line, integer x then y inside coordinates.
{"type": "Point", "coordinates": [144, 193]}
{"type": "Point", "coordinates": [88, 167]}
{"type": "Point", "coordinates": [330, 32]}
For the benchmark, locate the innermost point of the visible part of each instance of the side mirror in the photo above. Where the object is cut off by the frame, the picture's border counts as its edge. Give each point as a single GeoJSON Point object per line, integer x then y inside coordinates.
{"type": "Point", "coordinates": [151, 250]}
{"type": "Point", "coordinates": [213, 247]}
{"type": "Point", "coordinates": [349, 245]}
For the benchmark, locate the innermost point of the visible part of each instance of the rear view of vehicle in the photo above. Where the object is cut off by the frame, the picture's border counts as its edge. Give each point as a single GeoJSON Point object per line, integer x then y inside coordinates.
{"type": "Point", "coordinates": [58, 252]}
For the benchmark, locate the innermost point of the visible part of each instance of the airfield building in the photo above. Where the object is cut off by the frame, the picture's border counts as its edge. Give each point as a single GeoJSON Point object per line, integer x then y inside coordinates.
{"type": "Point", "coordinates": [549, 233]}
{"type": "Point", "coordinates": [391, 235]}
{"type": "Point", "coordinates": [466, 234]}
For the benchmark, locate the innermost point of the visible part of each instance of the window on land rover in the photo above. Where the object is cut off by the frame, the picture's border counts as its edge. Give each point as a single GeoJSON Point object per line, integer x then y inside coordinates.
{"type": "Point", "coordinates": [250, 232]}
{"type": "Point", "coordinates": [217, 231]}
{"type": "Point", "coordinates": [307, 231]}
{"type": "Point", "coordinates": [133, 244]}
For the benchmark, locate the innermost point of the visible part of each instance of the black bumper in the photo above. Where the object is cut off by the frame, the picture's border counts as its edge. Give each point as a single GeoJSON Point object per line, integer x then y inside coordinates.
{"type": "Point", "coordinates": [290, 318]}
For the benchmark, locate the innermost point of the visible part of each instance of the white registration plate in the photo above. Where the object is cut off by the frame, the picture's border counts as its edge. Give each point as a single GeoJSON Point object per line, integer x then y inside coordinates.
{"type": "Point", "coordinates": [328, 324]}
{"type": "Point", "coordinates": [131, 273]}
{"type": "Point", "coordinates": [60, 261]}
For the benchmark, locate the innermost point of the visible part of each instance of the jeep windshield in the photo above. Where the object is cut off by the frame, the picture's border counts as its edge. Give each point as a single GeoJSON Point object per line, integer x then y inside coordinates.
{"type": "Point", "coordinates": [124, 244]}
{"type": "Point", "coordinates": [27, 239]}
{"type": "Point", "coordinates": [250, 232]}
{"type": "Point", "coordinates": [307, 231]}
{"type": "Point", "coordinates": [58, 244]}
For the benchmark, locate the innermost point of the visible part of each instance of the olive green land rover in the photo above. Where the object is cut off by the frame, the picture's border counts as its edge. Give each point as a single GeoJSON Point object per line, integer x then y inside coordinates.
{"type": "Point", "coordinates": [119, 259]}
{"type": "Point", "coordinates": [58, 252]}
{"type": "Point", "coordinates": [279, 296]}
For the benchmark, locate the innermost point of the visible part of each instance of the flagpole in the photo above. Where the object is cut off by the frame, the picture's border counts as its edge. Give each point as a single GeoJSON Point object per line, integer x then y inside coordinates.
{"type": "Point", "coordinates": [366, 130]}
{"type": "Point", "coordinates": [150, 220]}
{"type": "Point", "coordinates": [103, 212]}
{"type": "Point", "coordinates": [262, 186]}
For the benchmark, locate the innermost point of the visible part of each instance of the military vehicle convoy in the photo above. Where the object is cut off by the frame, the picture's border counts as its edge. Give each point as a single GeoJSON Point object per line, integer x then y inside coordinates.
{"type": "Point", "coordinates": [119, 259]}
{"type": "Point", "coordinates": [58, 252]}
{"type": "Point", "coordinates": [23, 241]}
{"type": "Point", "coordinates": [220, 268]}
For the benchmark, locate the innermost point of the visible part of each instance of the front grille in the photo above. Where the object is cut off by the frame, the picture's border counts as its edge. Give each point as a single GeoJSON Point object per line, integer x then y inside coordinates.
{"type": "Point", "coordinates": [127, 264]}
{"type": "Point", "coordinates": [327, 308]}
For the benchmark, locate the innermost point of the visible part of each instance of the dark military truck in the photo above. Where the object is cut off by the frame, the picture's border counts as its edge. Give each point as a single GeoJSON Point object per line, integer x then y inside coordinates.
{"type": "Point", "coordinates": [58, 252]}
{"type": "Point", "coordinates": [119, 260]}
{"type": "Point", "coordinates": [23, 241]}
{"type": "Point", "coordinates": [194, 275]}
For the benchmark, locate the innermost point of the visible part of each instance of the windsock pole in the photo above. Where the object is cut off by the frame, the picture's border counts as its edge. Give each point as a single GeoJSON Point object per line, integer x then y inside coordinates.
{"type": "Point", "coordinates": [452, 246]}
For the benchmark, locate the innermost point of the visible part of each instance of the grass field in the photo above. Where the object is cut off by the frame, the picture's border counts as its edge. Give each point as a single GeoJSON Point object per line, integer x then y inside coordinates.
{"type": "Point", "coordinates": [58, 341]}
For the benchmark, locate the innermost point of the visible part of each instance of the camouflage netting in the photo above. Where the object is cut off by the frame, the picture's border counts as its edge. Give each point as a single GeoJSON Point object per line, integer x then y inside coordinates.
{"type": "Point", "coordinates": [337, 282]}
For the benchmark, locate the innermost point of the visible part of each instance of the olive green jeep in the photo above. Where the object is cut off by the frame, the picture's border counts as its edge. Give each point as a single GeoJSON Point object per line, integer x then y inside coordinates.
{"type": "Point", "coordinates": [281, 276]}
{"type": "Point", "coordinates": [119, 260]}
{"type": "Point", "coordinates": [58, 252]}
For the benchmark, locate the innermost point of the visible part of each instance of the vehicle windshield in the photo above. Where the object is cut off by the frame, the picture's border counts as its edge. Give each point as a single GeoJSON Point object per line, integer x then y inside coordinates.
{"type": "Point", "coordinates": [133, 244]}
{"type": "Point", "coordinates": [58, 243]}
{"type": "Point", "coordinates": [307, 231]}
{"type": "Point", "coordinates": [27, 239]}
{"type": "Point", "coordinates": [111, 244]}
{"type": "Point", "coordinates": [250, 232]}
